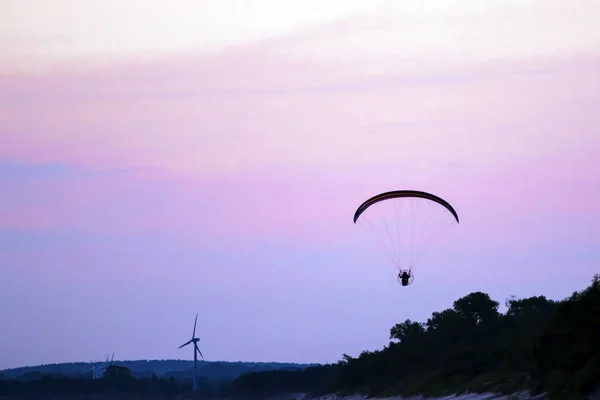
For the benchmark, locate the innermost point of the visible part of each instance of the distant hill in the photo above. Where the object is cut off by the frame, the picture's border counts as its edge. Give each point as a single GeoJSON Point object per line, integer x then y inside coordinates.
{"type": "Point", "coordinates": [179, 369]}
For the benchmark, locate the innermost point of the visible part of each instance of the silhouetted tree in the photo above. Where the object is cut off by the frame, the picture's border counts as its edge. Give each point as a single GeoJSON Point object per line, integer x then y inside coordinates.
{"type": "Point", "coordinates": [407, 330]}
{"type": "Point", "coordinates": [551, 346]}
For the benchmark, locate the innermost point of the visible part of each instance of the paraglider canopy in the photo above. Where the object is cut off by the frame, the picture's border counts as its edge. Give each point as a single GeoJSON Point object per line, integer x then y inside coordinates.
{"type": "Point", "coordinates": [406, 222]}
{"type": "Point", "coordinates": [403, 193]}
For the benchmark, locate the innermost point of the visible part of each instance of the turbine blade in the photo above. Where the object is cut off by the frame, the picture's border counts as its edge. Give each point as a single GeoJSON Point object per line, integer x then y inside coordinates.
{"type": "Point", "coordinates": [195, 321]}
{"type": "Point", "coordinates": [198, 350]}
{"type": "Point", "coordinates": [185, 344]}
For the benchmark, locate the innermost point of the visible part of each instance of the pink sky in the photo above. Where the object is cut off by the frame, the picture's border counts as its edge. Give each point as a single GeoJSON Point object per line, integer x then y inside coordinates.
{"type": "Point", "coordinates": [216, 171]}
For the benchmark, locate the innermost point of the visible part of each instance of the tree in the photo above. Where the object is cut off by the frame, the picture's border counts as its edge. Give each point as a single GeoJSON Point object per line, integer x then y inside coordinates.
{"type": "Point", "coordinates": [407, 330]}
{"type": "Point", "coordinates": [477, 308]}
{"type": "Point", "coordinates": [442, 321]}
{"type": "Point", "coordinates": [113, 371]}
{"type": "Point", "coordinates": [460, 345]}
{"type": "Point", "coordinates": [567, 353]}
{"type": "Point", "coordinates": [547, 346]}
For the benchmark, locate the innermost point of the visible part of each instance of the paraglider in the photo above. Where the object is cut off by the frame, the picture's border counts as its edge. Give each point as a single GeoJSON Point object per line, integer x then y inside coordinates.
{"type": "Point", "coordinates": [408, 221]}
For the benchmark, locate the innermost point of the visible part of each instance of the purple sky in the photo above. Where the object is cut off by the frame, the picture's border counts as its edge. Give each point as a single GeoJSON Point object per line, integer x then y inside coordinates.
{"type": "Point", "coordinates": [158, 163]}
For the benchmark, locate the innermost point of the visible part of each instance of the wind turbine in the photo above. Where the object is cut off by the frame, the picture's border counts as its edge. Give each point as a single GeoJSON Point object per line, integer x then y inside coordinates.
{"type": "Point", "coordinates": [94, 370]}
{"type": "Point", "coordinates": [99, 369]}
{"type": "Point", "coordinates": [197, 351]}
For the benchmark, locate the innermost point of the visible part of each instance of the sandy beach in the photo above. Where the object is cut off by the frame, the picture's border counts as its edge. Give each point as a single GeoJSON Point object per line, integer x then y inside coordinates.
{"type": "Point", "coordinates": [524, 395]}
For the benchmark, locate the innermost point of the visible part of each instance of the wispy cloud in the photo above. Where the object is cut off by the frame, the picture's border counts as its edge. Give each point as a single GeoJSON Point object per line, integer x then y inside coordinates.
{"type": "Point", "coordinates": [132, 118]}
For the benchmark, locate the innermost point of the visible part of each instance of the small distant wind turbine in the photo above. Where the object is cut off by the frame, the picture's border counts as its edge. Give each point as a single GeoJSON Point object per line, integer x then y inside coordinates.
{"type": "Point", "coordinates": [197, 351]}
{"type": "Point", "coordinates": [98, 369]}
{"type": "Point", "coordinates": [94, 370]}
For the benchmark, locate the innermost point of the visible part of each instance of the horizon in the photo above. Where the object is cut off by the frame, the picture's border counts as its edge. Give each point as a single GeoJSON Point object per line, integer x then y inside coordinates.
{"type": "Point", "coordinates": [161, 162]}
{"type": "Point", "coordinates": [502, 309]}
{"type": "Point", "coordinates": [160, 360]}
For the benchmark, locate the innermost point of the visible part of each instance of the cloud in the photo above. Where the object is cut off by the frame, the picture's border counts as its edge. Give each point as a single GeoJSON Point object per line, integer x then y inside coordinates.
{"type": "Point", "coordinates": [239, 112]}
{"type": "Point", "coordinates": [113, 29]}
{"type": "Point", "coordinates": [308, 205]}
{"type": "Point", "coordinates": [146, 203]}
{"type": "Point", "coordinates": [366, 33]}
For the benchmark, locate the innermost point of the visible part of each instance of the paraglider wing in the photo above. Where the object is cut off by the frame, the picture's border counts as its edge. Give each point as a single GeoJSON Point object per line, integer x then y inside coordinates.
{"type": "Point", "coordinates": [406, 222]}
{"type": "Point", "coordinates": [404, 193]}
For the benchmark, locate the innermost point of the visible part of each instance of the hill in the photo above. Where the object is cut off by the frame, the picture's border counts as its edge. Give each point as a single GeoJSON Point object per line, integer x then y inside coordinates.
{"type": "Point", "coordinates": [179, 369]}
{"type": "Point", "coordinates": [538, 345]}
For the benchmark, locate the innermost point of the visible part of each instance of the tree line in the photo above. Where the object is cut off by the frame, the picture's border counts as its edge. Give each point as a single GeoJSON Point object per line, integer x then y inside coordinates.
{"type": "Point", "coordinates": [538, 344]}
{"type": "Point", "coordinates": [117, 381]}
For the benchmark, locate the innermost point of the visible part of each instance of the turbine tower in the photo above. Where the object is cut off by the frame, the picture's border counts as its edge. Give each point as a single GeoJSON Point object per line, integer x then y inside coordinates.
{"type": "Point", "coordinates": [197, 351]}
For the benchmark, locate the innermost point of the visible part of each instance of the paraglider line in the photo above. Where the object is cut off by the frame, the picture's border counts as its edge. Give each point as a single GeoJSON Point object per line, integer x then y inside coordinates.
{"type": "Point", "coordinates": [419, 246]}
{"type": "Point", "coordinates": [412, 232]}
{"type": "Point", "coordinates": [396, 261]}
{"type": "Point", "coordinates": [380, 240]}
{"type": "Point", "coordinates": [397, 239]}
{"type": "Point", "coordinates": [435, 235]}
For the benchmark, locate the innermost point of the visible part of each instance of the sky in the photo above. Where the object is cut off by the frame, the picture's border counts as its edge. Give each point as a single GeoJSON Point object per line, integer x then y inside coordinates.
{"type": "Point", "coordinates": [207, 157]}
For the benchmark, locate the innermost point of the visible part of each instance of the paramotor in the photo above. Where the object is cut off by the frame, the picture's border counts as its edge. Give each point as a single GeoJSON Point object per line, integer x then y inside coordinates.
{"type": "Point", "coordinates": [406, 223]}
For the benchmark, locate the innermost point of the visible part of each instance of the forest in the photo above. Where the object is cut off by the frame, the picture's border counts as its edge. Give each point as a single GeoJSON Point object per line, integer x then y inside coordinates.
{"type": "Point", "coordinates": [180, 370]}
{"type": "Point", "coordinates": [541, 345]}
{"type": "Point", "coordinates": [538, 344]}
